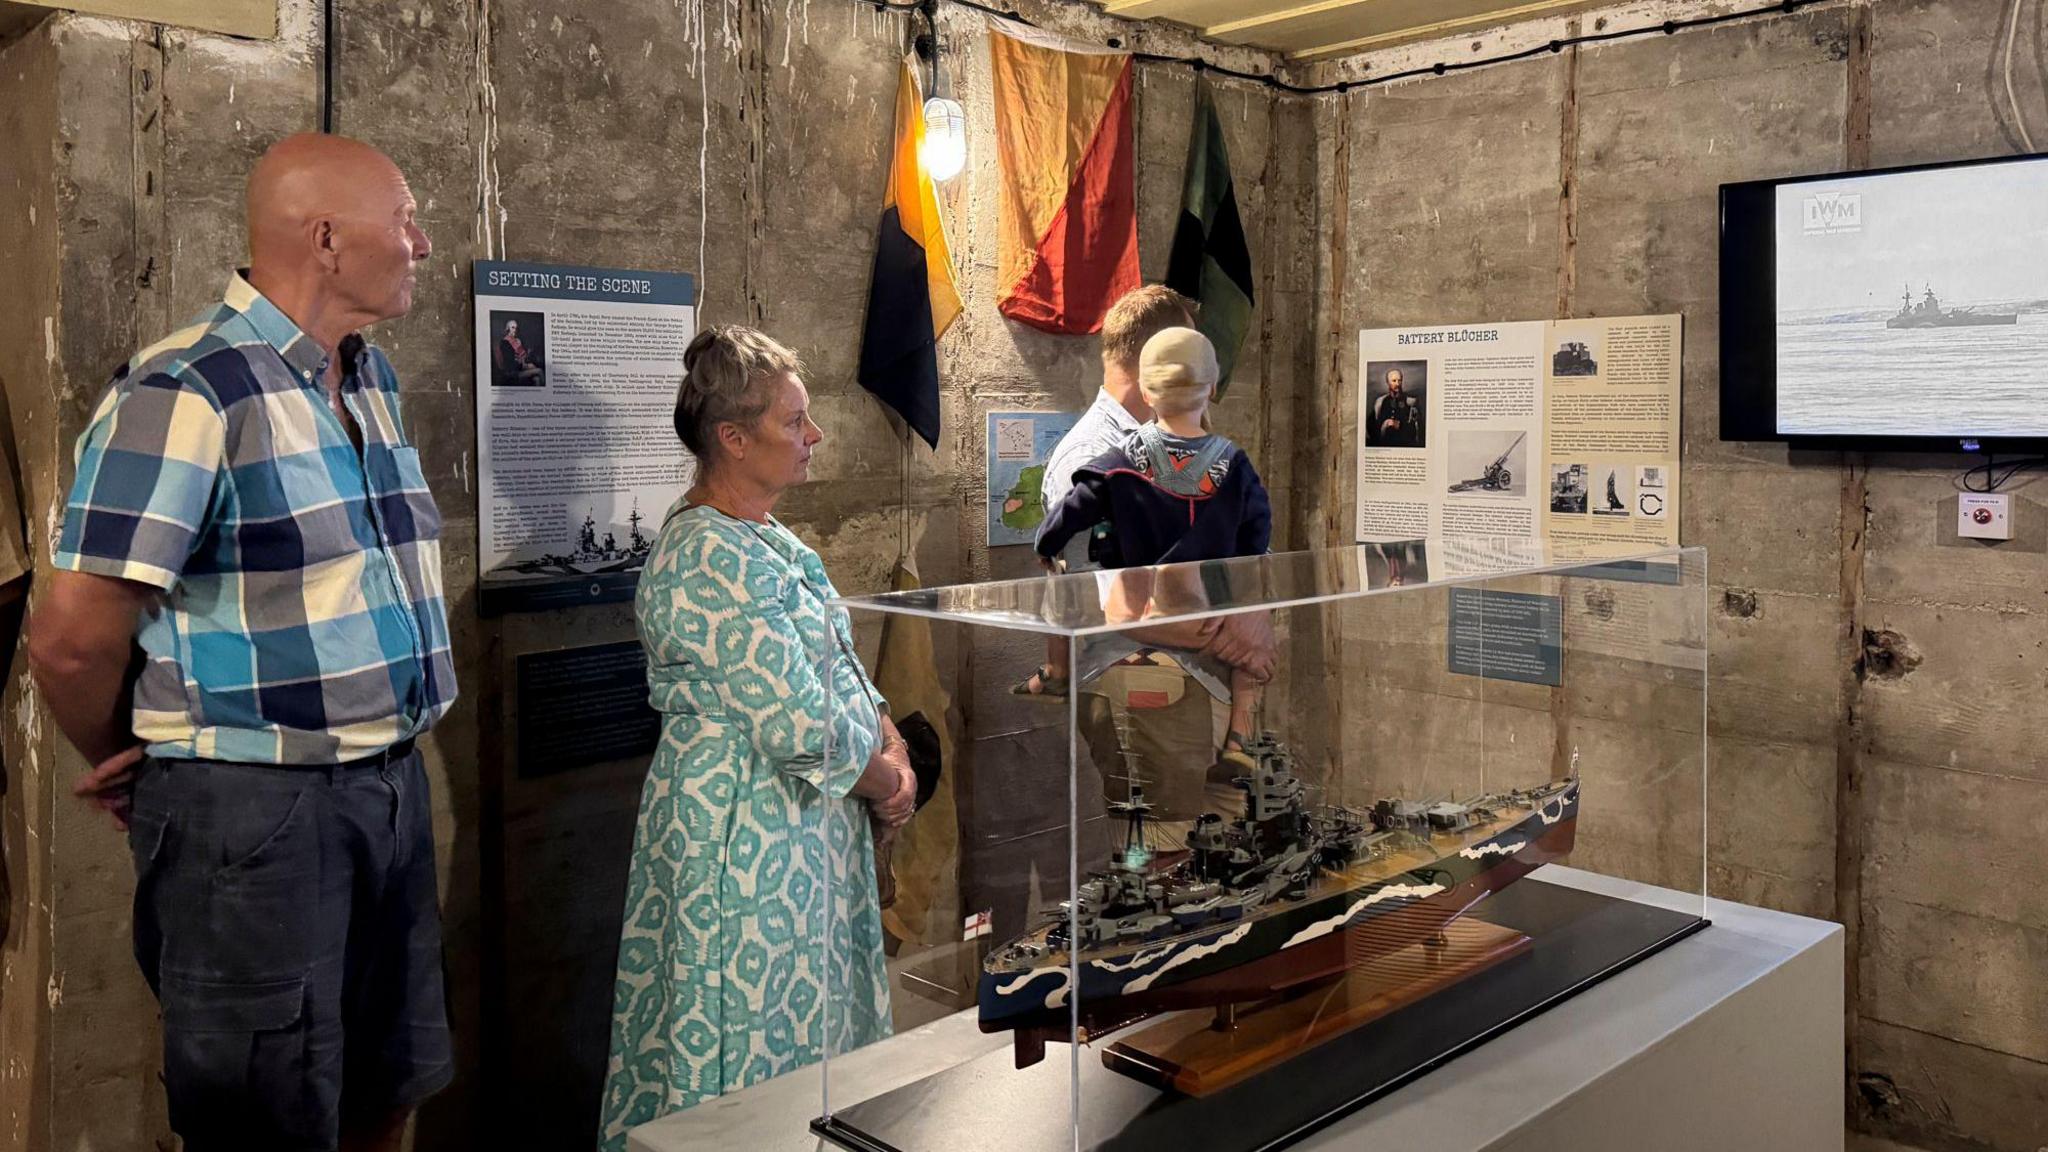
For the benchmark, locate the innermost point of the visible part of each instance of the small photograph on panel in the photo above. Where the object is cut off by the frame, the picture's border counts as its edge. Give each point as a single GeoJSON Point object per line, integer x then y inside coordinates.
{"type": "Point", "coordinates": [1653, 499]}
{"type": "Point", "coordinates": [1576, 352]}
{"type": "Point", "coordinates": [1568, 488]}
{"type": "Point", "coordinates": [1390, 564]}
{"type": "Point", "coordinates": [1489, 461]}
{"type": "Point", "coordinates": [519, 349]}
{"type": "Point", "coordinates": [1396, 397]}
{"type": "Point", "coordinates": [1614, 490]}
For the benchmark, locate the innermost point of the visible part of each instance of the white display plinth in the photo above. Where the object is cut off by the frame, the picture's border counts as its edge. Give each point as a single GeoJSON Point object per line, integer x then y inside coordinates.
{"type": "Point", "coordinates": [1730, 1038]}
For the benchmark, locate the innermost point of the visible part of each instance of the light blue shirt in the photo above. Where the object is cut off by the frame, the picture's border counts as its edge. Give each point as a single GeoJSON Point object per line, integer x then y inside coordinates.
{"type": "Point", "coordinates": [1100, 430]}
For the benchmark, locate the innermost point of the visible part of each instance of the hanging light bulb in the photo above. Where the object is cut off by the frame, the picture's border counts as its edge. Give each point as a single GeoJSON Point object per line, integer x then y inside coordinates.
{"type": "Point", "coordinates": [945, 138]}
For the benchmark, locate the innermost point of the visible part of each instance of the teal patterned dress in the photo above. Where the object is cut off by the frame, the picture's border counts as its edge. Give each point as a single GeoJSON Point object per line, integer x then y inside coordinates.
{"type": "Point", "coordinates": [723, 975]}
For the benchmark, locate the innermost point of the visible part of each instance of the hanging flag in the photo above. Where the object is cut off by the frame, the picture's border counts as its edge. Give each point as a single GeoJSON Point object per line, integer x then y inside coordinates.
{"type": "Point", "coordinates": [911, 299]}
{"type": "Point", "coordinates": [1211, 264]}
{"type": "Point", "coordinates": [1065, 162]}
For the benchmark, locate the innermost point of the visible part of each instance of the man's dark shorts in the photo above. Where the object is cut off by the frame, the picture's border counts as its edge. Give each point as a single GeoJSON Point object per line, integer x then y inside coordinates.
{"type": "Point", "coordinates": [286, 918]}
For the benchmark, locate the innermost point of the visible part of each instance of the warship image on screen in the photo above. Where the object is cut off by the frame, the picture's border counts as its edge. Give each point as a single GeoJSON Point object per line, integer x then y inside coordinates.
{"type": "Point", "coordinates": [1912, 303]}
{"type": "Point", "coordinates": [1929, 313]}
{"type": "Point", "coordinates": [1280, 897]}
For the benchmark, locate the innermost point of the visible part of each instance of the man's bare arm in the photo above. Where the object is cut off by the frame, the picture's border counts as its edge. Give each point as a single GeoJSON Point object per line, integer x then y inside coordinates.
{"type": "Point", "coordinates": [1245, 640]}
{"type": "Point", "coordinates": [81, 645]}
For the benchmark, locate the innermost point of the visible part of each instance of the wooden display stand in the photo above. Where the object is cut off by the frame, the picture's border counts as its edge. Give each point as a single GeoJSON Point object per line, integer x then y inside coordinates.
{"type": "Point", "coordinates": [1198, 1053]}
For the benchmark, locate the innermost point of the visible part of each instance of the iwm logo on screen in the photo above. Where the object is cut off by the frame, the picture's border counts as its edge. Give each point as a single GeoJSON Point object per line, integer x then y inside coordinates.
{"type": "Point", "coordinates": [1831, 212]}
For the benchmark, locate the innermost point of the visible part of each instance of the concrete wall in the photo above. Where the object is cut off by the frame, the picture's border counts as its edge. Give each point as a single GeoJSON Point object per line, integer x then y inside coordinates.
{"type": "Point", "coordinates": [620, 132]}
{"type": "Point", "coordinates": [1899, 796]}
{"type": "Point", "coordinates": [1902, 797]}
{"type": "Point", "coordinates": [117, 219]}
{"type": "Point", "coordinates": [28, 135]}
{"type": "Point", "coordinates": [1952, 783]}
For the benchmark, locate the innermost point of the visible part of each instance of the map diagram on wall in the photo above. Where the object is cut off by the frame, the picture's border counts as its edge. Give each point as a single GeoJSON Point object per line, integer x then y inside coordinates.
{"type": "Point", "coordinates": [1018, 445]}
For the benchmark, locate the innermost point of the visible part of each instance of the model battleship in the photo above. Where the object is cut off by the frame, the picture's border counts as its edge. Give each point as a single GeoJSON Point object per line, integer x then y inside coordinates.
{"type": "Point", "coordinates": [1928, 313]}
{"type": "Point", "coordinates": [1282, 896]}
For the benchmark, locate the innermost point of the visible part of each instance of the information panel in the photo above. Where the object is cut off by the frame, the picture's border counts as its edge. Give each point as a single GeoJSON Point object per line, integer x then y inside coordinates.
{"type": "Point", "coordinates": [581, 706]}
{"type": "Point", "coordinates": [1565, 430]}
{"type": "Point", "coordinates": [576, 377]}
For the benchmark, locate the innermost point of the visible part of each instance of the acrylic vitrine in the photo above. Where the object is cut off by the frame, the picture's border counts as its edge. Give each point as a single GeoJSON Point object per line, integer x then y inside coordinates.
{"type": "Point", "coordinates": [1279, 835]}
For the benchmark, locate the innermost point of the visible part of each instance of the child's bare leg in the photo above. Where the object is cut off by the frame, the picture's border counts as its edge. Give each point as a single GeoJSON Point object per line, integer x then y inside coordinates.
{"type": "Point", "coordinates": [1244, 697]}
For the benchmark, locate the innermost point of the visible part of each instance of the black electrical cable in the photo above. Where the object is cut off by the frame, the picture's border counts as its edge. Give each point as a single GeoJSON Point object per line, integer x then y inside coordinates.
{"type": "Point", "coordinates": [1998, 475]}
{"type": "Point", "coordinates": [1668, 28]}
{"type": "Point", "coordinates": [327, 65]}
{"type": "Point", "coordinates": [929, 9]}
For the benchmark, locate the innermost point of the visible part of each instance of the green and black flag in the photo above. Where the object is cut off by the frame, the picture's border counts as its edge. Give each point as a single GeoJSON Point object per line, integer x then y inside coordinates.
{"type": "Point", "coordinates": [1211, 263]}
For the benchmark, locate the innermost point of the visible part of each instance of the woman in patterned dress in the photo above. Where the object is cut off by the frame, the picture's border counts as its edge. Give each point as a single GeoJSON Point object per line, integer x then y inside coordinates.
{"type": "Point", "coordinates": [753, 848]}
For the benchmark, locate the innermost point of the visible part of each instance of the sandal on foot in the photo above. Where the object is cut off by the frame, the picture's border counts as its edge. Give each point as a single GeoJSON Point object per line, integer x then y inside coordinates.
{"type": "Point", "coordinates": [1233, 756]}
{"type": "Point", "coordinates": [1047, 684]}
{"type": "Point", "coordinates": [1234, 763]}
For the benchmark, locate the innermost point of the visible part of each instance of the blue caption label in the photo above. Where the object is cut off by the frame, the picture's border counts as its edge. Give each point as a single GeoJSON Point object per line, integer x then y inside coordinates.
{"type": "Point", "coordinates": [1507, 636]}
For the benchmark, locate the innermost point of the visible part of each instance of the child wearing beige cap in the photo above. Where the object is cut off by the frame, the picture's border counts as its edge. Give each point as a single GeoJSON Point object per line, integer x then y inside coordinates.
{"type": "Point", "coordinates": [1173, 492]}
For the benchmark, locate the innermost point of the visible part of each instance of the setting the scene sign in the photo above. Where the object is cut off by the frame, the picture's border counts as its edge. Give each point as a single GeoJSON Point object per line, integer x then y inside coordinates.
{"type": "Point", "coordinates": [576, 372]}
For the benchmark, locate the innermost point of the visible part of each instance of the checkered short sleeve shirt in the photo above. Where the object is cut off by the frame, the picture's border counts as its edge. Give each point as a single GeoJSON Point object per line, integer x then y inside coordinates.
{"type": "Point", "coordinates": [302, 619]}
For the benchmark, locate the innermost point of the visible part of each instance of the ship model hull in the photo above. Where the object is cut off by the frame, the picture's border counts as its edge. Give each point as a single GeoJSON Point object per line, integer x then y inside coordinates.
{"type": "Point", "coordinates": [1350, 915]}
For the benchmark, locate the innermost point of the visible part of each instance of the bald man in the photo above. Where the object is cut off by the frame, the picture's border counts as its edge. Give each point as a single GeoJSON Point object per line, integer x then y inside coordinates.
{"type": "Point", "coordinates": [245, 636]}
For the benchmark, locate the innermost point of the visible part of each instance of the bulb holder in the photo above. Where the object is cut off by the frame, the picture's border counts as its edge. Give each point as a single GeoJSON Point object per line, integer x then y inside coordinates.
{"type": "Point", "coordinates": [945, 138]}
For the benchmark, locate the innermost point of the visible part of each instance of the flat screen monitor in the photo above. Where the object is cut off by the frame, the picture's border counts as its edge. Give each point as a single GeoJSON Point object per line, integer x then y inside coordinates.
{"type": "Point", "coordinates": [1902, 309]}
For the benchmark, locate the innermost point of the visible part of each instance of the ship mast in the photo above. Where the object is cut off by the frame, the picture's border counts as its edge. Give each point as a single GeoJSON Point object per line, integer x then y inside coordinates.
{"type": "Point", "coordinates": [1134, 807]}
{"type": "Point", "coordinates": [1135, 855]}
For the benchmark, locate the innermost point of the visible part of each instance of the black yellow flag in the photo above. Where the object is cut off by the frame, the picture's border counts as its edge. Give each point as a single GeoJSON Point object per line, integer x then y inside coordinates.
{"type": "Point", "coordinates": [911, 298]}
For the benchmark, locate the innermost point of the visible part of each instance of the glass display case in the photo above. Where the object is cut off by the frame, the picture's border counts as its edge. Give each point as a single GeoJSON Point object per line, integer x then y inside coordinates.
{"type": "Point", "coordinates": [1265, 838]}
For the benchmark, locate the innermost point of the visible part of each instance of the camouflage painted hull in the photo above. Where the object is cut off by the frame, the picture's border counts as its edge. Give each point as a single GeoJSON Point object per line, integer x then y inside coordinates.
{"type": "Point", "coordinates": [1280, 945]}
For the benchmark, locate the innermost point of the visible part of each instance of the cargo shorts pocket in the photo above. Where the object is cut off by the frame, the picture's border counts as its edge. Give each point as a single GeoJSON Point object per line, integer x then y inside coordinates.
{"type": "Point", "coordinates": [147, 833]}
{"type": "Point", "coordinates": [254, 919]}
{"type": "Point", "coordinates": [236, 1066]}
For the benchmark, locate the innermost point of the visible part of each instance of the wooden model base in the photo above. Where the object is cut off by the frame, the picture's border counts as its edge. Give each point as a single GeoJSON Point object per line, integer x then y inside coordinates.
{"type": "Point", "coordinates": [1198, 1053]}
